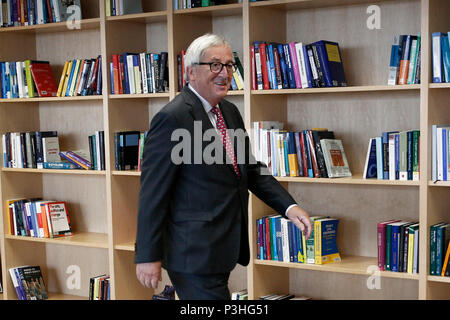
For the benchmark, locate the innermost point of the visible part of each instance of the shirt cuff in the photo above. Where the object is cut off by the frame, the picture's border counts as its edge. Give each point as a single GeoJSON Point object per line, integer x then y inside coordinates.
{"type": "Point", "coordinates": [287, 210]}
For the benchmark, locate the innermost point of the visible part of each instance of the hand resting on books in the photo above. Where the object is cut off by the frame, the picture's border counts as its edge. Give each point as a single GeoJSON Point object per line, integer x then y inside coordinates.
{"type": "Point", "coordinates": [149, 274]}
{"type": "Point", "coordinates": [301, 219]}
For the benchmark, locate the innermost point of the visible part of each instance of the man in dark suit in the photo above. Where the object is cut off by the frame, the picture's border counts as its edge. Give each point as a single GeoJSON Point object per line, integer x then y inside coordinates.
{"type": "Point", "coordinates": [193, 215]}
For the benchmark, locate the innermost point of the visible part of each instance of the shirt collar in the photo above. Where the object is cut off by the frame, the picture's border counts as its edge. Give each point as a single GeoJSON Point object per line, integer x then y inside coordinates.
{"type": "Point", "coordinates": [206, 105]}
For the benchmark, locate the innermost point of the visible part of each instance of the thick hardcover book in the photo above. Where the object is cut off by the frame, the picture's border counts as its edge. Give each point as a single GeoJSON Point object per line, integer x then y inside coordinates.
{"type": "Point", "coordinates": [317, 136]}
{"type": "Point", "coordinates": [325, 241]}
{"type": "Point", "coordinates": [43, 78]}
{"type": "Point", "coordinates": [331, 63]}
{"type": "Point", "coordinates": [59, 219]}
{"type": "Point", "coordinates": [395, 245]}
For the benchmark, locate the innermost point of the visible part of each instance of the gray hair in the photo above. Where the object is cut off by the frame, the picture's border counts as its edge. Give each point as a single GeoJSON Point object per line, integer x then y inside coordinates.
{"type": "Point", "coordinates": [197, 48]}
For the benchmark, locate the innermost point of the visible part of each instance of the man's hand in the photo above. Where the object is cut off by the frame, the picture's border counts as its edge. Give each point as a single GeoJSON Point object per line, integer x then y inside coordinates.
{"type": "Point", "coordinates": [301, 219]}
{"type": "Point", "coordinates": [149, 273]}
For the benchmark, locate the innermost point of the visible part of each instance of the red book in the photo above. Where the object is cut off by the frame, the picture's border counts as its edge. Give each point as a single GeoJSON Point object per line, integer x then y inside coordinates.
{"type": "Point", "coordinates": [302, 147]}
{"type": "Point", "coordinates": [115, 58]}
{"type": "Point", "coordinates": [262, 50]}
{"type": "Point", "coordinates": [43, 78]}
{"type": "Point", "coordinates": [252, 67]}
{"type": "Point", "coordinates": [268, 244]}
{"type": "Point", "coordinates": [381, 243]}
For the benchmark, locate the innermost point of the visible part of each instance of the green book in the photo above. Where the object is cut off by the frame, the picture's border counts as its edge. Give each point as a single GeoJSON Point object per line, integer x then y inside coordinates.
{"type": "Point", "coordinates": [206, 3]}
{"type": "Point", "coordinates": [310, 251]}
{"type": "Point", "coordinates": [415, 154]}
{"type": "Point", "coordinates": [433, 247]}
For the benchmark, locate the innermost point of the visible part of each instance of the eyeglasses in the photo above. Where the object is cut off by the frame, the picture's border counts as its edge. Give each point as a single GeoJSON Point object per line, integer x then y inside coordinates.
{"type": "Point", "coordinates": [216, 67]}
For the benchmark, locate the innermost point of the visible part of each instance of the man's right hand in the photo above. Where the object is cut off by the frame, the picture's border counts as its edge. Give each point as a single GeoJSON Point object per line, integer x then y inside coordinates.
{"type": "Point", "coordinates": [149, 274]}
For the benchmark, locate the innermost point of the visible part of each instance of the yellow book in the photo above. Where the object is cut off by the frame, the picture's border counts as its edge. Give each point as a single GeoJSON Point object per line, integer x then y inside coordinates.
{"type": "Point", "coordinates": [445, 264]}
{"type": "Point", "coordinates": [238, 81]}
{"type": "Point", "coordinates": [318, 242]}
{"type": "Point", "coordinates": [304, 247]}
{"type": "Point", "coordinates": [30, 83]}
{"type": "Point", "coordinates": [137, 79]}
{"type": "Point", "coordinates": [325, 241]}
{"type": "Point", "coordinates": [63, 77]}
{"type": "Point", "coordinates": [410, 252]}
{"type": "Point", "coordinates": [66, 80]}
{"type": "Point", "coordinates": [74, 78]}
{"type": "Point", "coordinates": [12, 224]}
{"type": "Point", "coordinates": [293, 165]}
{"type": "Point", "coordinates": [108, 8]}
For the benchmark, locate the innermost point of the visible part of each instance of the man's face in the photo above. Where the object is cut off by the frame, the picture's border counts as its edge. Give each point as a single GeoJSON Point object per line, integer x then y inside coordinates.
{"type": "Point", "coordinates": [212, 86]}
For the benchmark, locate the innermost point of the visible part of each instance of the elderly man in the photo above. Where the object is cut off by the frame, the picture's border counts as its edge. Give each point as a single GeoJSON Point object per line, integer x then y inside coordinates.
{"type": "Point", "coordinates": [193, 217]}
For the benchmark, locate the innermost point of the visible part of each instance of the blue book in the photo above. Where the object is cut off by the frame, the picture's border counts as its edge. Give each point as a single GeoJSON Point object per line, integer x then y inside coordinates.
{"type": "Point", "coordinates": [283, 67]}
{"type": "Point", "coordinates": [273, 237]}
{"type": "Point", "coordinates": [279, 238]}
{"type": "Point", "coordinates": [379, 144]}
{"type": "Point", "coordinates": [397, 157]}
{"type": "Point", "coordinates": [291, 241]}
{"type": "Point", "coordinates": [126, 86]}
{"type": "Point", "coordinates": [286, 155]}
{"type": "Point", "coordinates": [446, 56]}
{"type": "Point", "coordinates": [308, 155]}
{"type": "Point", "coordinates": [385, 141]}
{"type": "Point", "coordinates": [409, 155]}
{"type": "Point", "coordinates": [111, 77]}
{"type": "Point", "coordinates": [290, 71]}
{"type": "Point", "coordinates": [394, 62]}
{"type": "Point", "coordinates": [370, 168]}
{"type": "Point", "coordinates": [331, 63]}
{"type": "Point", "coordinates": [395, 243]}
{"type": "Point", "coordinates": [273, 74]}
{"type": "Point", "coordinates": [436, 57]}
{"type": "Point", "coordinates": [326, 249]}
{"type": "Point", "coordinates": [72, 71]}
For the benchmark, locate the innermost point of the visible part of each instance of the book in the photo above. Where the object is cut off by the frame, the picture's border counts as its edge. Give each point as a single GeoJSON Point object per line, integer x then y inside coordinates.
{"type": "Point", "coordinates": [325, 241]}
{"type": "Point", "coordinates": [335, 159]}
{"type": "Point", "coordinates": [381, 243]}
{"type": "Point", "coordinates": [59, 219]}
{"type": "Point", "coordinates": [394, 62]}
{"type": "Point", "coordinates": [436, 57]}
{"type": "Point", "coordinates": [50, 149]}
{"type": "Point", "coordinates": [33, 282]}
{"type": "Point", "coordinates": [370, 166]}
{"type": "Point", "coordinates": [43, 78]}
{"type": "Point", "coordinates": [309, 243]}
{"type": "Point", "coordinates": [331, 62]}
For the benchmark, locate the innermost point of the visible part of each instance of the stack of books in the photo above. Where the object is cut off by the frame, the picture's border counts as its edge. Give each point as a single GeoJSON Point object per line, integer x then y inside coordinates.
{"type": "Point", "coordinates": [188, 4]}
{"type": "Point", "coordinates": [81, 77]}
{"type": "Point", "coordinates": [393, 156]}
{"type": "Point", "coordinates": [440, 249]}
{"type": "Point", "coordinates": [134, 73]}
{"type": "Point", "coordinates": [26, 79]}
{"type": "Point", "coordinates": [279, 239]}
{"type": "Point", "coordinates": [307, 153]}
{"type": "Point", "coordinates": [28, 283]}
{"type": "Point", "coordinates": [440, 45]}
{"type": "Point", "coordinates": [404, 66]}
{"type": "Point", "coordinates": [38, 218]}
{"type": "Point", "coordinates": [121, 7]}
{"type": "Point", "coordinates": [398, 246]}
{"type": "Point", "coordinates": [296, 65]}
{"type": "Point", "coordinates": [14, 13]}
{"type": "Point", "coordinates": [128, 149]}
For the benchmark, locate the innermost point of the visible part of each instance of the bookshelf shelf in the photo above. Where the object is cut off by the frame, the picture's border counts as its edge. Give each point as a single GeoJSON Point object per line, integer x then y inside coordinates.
{"type": "Point", "coordinates": [350, 264]}
{"type": "Point", "coordinates": [81, 239]}
{"type": "Point", "coordinates": [56, 171]}
{"type": "Point", "coordinates": [126, 173]}
{"type": "Point", "coordinates": [439, 85]}
{"type": "Point", "coordinates": [338, 89]}
{"type": "Point", "coordinates": [52, 99]}
{"type": "Point", "coordinates": [84, 24]}
{"type": "Point", "coordinates": [219, 10]}
{"type": "Point", "coordinates": [355, 179]}
{"type": "Point", "coordinates": [140, 96]}
{"type": "Point", "coordinates": [146, 17]}
{"type": "Point", "coordinates": [62, 296]}
{"type": "Point", "coordinates": [439, 279]}
{"type": "Point", "coordinates": [306, 4]}
{"type": "Point", "coordinates": [439, 183]}
{"type": "Point", "coordinates": [128, 246]}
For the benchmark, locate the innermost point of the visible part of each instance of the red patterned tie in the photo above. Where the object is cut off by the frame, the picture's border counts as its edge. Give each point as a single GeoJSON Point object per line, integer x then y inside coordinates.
{"type": "Point", "coordinates": [225, 138]}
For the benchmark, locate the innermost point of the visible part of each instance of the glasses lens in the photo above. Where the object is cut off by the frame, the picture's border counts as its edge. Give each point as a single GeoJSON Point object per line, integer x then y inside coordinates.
{"type": "Point", "coordinates": [216, 67]}
{"type": "Point", "coordinates": [230, 67]}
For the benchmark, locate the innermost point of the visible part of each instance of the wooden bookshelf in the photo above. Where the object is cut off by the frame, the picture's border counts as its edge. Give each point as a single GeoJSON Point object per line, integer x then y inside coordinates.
{"type": "Point", "coordinates": [104, 203]}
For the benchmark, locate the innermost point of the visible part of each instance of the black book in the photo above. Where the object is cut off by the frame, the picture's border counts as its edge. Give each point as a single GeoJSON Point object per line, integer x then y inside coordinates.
{"type": "Point", "coordinates": [129, 150]}
{"type": "Point", "coordinates": [317, 136]}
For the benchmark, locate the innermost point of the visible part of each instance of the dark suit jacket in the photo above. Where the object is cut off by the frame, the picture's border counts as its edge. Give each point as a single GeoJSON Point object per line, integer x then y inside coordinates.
{"type": "Point", "coordinates": [194, 217]}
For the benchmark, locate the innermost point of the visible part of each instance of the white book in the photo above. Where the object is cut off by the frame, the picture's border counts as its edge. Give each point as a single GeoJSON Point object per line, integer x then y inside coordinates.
{"type": "Point", "coordinates": [143, 73]}
{"type": "Point", "coordinates": [56, 10]}
{"type": "Point", "coordinates": [8, 76]}
{"type": "Point", "coordinates": [301, 64]}
{"type": "Point", "coordinates": [391, 156]}
{"type": "Point", "coordinates": [366, 164]}
{"type": "Point", "coordinates": [131, 73]}
{"type": "Point", "coordinates": [19, 158]}
{"type": "Point", "coordinates": [436, 57]}
{"type": "Point", "coordinates": [40, 12]}
{"type": "Point", "coordinates": [379, 143]}
{"type": "Point", "coordinates": [285, 239]}
{"type": "Point", "coordinates": [258, 69]}
{"type": "Point", "coordinates": [50, 149]}
{"type": "Point", "coordinates": [97, 146]}
{"type": "Point", "coordinates": [416, 251]}
{"type": "Point", "coordinates": [5, 160]}
{"type": "Point", "coordinates": [440, 172]}
{"type": "Point", "coordinates": [280, 148]}
{"type": "Point", "coordinates": [152, 61]}
{"type": "Point", "coordinates": [29, 217]}
{"type": "Point", "coordinates": [20, 82]}
{"type": "Point", "coordinates": [412, 60]}
{"type": "Point", "coordinates": [335, 159]}
{"type": "Point", "coordinates": [256, 140]}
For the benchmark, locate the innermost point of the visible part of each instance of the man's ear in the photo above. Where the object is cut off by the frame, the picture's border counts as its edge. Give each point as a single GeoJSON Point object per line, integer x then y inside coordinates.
{"type": "Point", "coordinates": [191, 72]}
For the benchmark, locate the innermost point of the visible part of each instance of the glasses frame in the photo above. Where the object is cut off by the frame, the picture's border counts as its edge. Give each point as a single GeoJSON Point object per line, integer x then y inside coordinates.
{"type": "Point", "coordinates": [221, 67]}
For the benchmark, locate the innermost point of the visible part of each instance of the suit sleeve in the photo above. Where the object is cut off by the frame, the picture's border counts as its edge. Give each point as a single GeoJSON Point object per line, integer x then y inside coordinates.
{"type": "Point", "coordinates": [157, 177]}
{"type": "Point", "coordinates": [263, 184]}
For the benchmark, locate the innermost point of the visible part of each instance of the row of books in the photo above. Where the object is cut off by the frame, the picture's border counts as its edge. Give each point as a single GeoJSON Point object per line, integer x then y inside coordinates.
{"type": "Point", "coordinates": [404, 66]}
{"type": "Point", "coordinates": [40, 149]}
{"type": "Point", "coordinates": [240, 295]}
{"type": "Point", "coordinates": [440, 47]}
{"type": "Point", "coordinates": [26, 79]}
{"type": "Point", "coordinates": [308, 153]}
{"type": "Point", "coordinates": [279, 239]}
{"type": "Point", "coordinates": [81, 77]}
{"type": "Point", "coordinates": [440, 152]}
{"type": "Point", "coordinates": [398, 246]}
{"type": "Point", "coordinates": [128, 149]}
{"type": "Point", "coordinates": [14, 13]}
{"type": "Point", "coordinates": [296, 65]}
{"type": "Point", "coordinates": [285, 296]}
{"type": "Point", "coordinates": [188, 4]}
{"type": "Point", "coordinates": [28, 283]}
{"type": "Point", "coordinates": [121, 7]}
{"type": "Point", "coordinates": [38, 218]}
{"type": "Point", "coordinates": [440, 249]}
{"type": "Point", "coordinates": [132, 73]}
{"type": "Point", "coordinates": [393, 156]}
{"type": "Point", "coordinates": [100, 287]}
{"type": "Point", "coordinates": [237, 81]}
